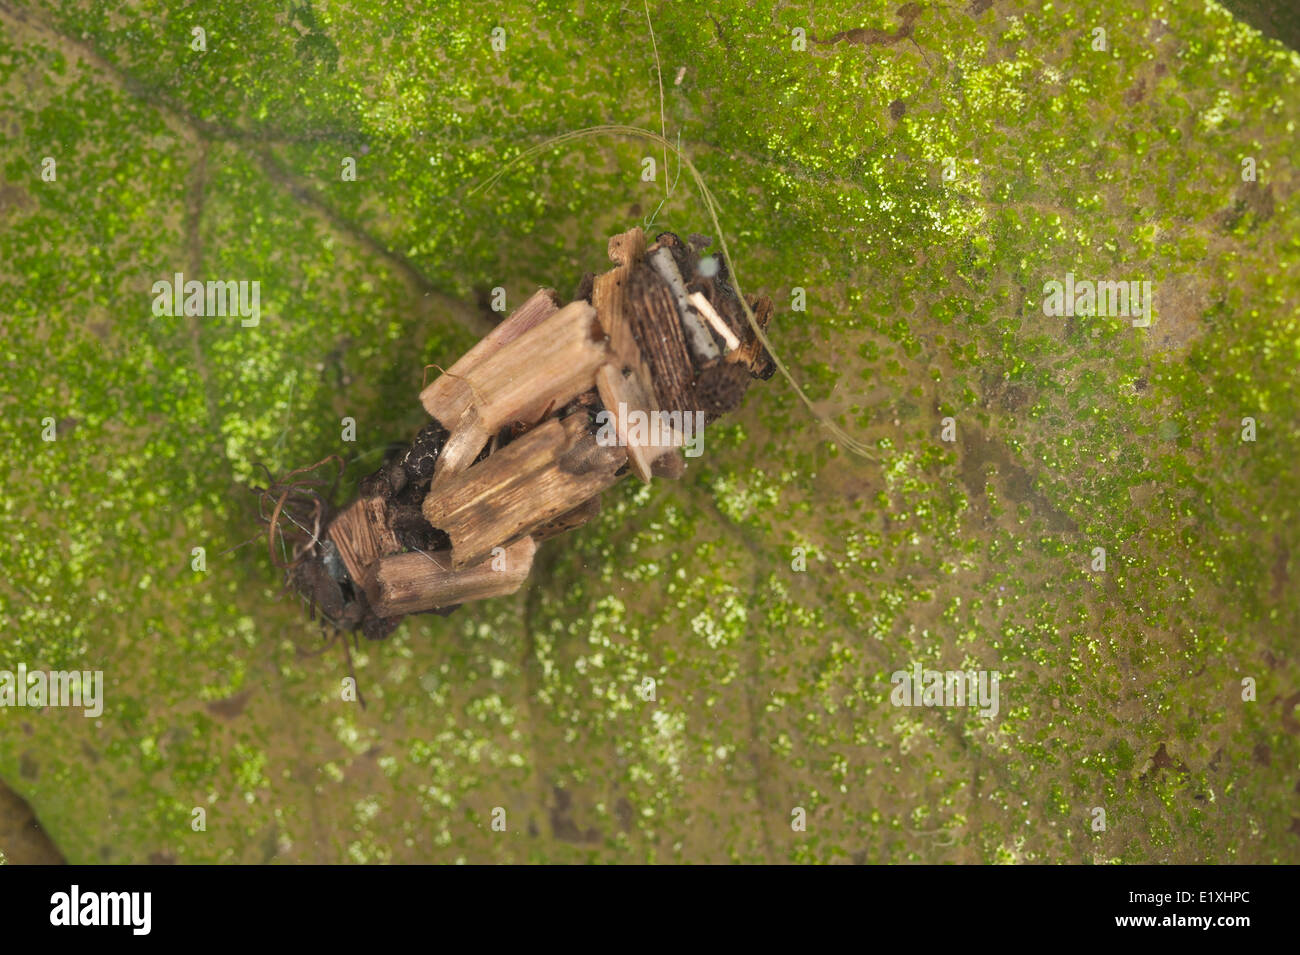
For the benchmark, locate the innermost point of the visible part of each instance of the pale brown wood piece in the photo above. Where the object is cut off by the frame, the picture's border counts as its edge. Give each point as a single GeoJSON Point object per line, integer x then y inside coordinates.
{"type": "Point", "coordinates": [351, 535]}
{"type": "Point", "coordinates": [447, 397]}
{"type": "Point", "coordinates": [462, 447]}
{"type": "Point", "coordinates": [609, 296]}
{"type": "Point", "coordinates": [626, 248]}
{"type": "Point", "coordinates": [622, 394]}
{"type": "Point", "coordinates": [540, 371]}
{"type": "Point", "coordinates": [363, 533]}
{"type": "Point", "coordinates": [540, 476]}
{"type": "Point", "coordinates": [416, 582]}
{"type": "Point", "coordinates": [381, 527]}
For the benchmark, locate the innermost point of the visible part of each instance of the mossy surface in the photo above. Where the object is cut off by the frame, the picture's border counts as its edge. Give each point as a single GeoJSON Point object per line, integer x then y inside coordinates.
{"type": "Point", "coordinates": [1121, 689]}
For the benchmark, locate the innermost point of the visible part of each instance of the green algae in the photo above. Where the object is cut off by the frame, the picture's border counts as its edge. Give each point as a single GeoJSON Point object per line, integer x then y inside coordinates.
{"type": "Point", "coordinates": [771, 683]}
